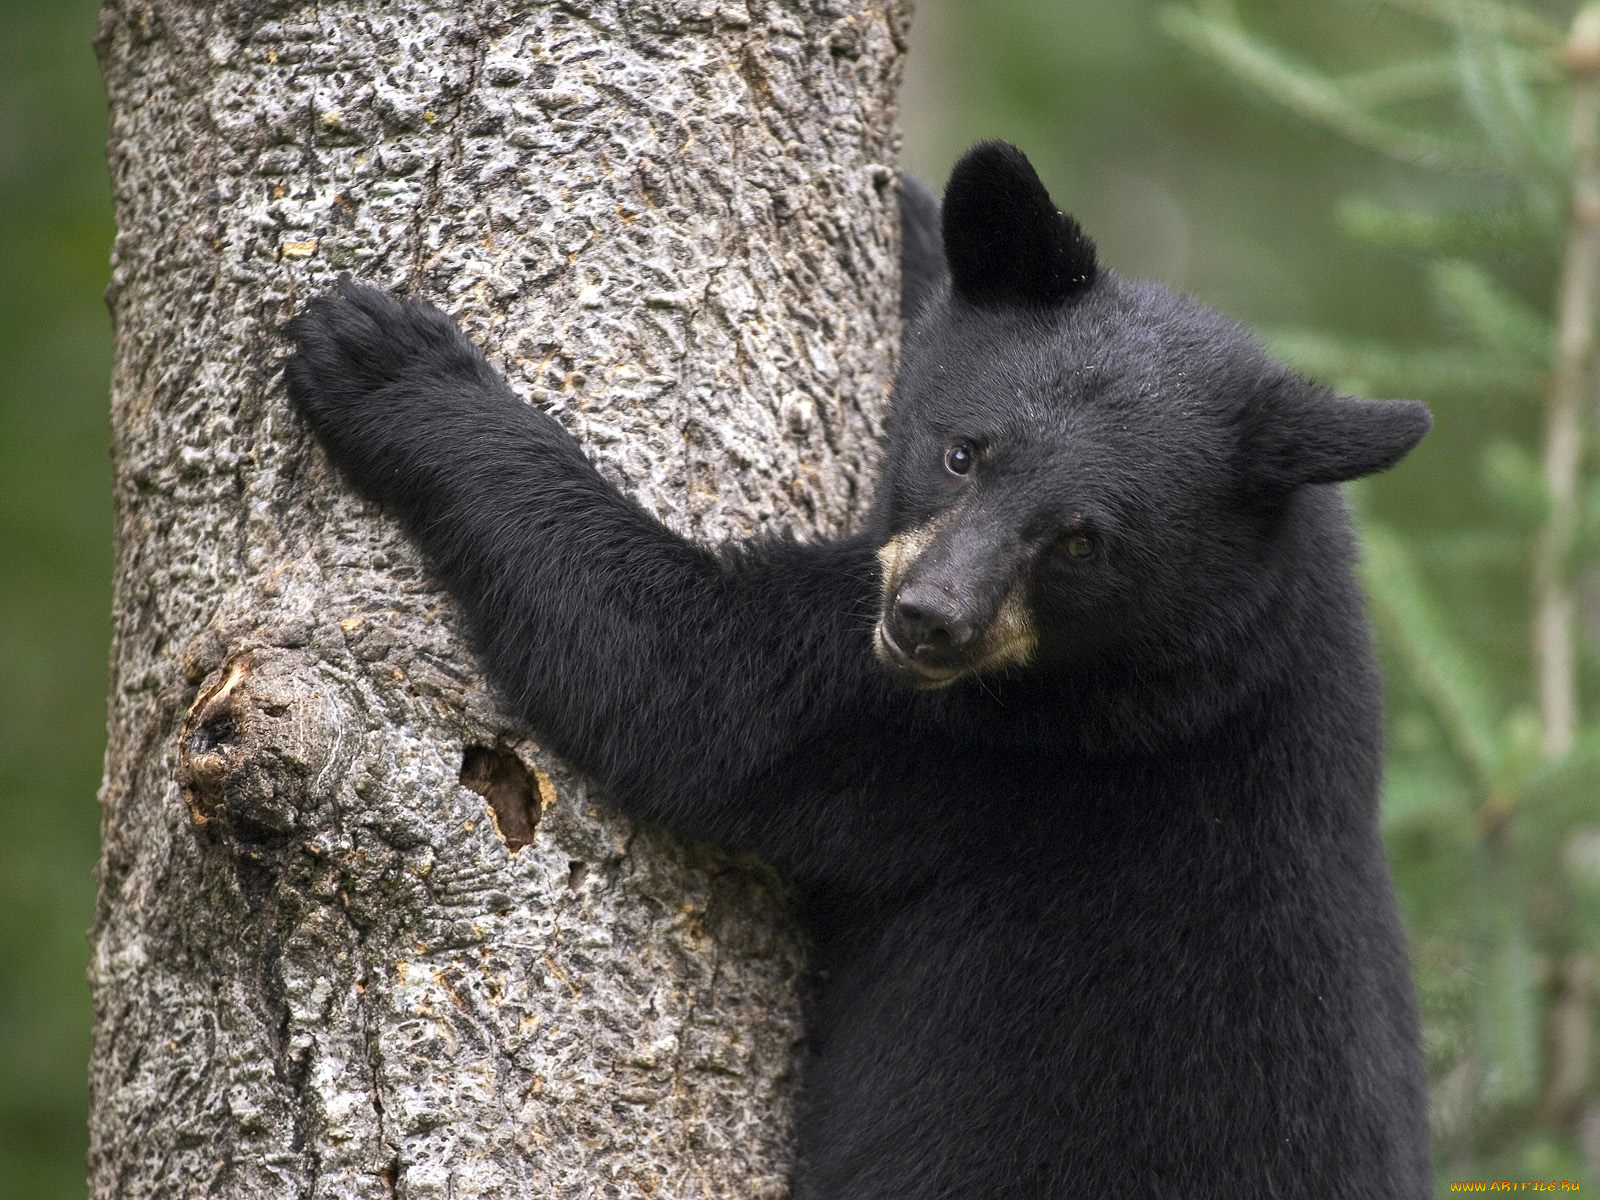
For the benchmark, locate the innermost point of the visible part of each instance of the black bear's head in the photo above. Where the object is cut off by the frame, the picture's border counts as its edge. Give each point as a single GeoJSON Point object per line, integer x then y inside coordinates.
{"type": "Point", "coordinates": [1077, 464]}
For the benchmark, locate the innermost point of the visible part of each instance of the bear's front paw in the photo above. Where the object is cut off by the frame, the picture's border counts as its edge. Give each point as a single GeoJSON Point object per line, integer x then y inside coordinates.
{"type": "Point", "coordinates": [365, 362]}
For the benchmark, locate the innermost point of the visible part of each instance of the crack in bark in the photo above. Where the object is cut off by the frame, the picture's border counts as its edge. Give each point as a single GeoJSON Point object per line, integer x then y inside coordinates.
{"type": "Point", "coordinates": [433, 201]}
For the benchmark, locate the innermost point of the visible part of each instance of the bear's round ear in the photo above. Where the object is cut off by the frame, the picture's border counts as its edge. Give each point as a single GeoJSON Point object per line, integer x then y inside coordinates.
{"type": "Point", "coordinates": [1004, 239]}
{"type": "Point", "coordinates": [1298, 433]}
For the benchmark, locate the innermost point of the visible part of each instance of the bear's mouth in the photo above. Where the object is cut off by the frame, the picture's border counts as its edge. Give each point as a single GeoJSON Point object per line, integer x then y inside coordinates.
{"type": "Point", "coordinates": [1010, 653]}
{"type": "Point", "coordinates": [906, 668]}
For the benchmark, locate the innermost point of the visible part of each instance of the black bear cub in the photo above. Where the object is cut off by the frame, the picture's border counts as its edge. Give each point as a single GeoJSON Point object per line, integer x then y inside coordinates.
{"type": "Point", "coordinates": [1073, 750]}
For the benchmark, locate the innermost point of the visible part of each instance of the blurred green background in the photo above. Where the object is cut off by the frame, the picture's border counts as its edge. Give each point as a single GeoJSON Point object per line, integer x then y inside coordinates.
{"type": "Point", "coordinates": [55, 577]}
{"type": "Point", "coordinates": [1380, 186]}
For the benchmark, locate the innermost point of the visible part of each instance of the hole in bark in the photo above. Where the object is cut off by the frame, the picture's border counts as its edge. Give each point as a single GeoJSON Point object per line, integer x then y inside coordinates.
{"type": "Point", "coordinates": [513, 795]}
{"type": "Point", "coordinates": [577, 872]}
{"type": "Point", "coordinates": [210, 724]}
{"type": "Point", "coordinates": [206, 762]}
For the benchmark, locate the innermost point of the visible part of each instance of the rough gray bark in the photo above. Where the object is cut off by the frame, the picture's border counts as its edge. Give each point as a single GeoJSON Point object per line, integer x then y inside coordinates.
{"type": "Point", "coordinates": [357, 936]}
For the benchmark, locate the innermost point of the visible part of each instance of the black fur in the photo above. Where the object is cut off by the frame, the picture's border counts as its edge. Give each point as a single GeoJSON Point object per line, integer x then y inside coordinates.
{"type": "Point", "coordinates": [1005, 240]}
{"type": "Point", "coordinates": [1114, 923]}
{"type": "Point", "coordinates": [922, 269]}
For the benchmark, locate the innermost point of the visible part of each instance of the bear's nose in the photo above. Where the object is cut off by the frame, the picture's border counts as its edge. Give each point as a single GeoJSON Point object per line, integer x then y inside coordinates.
{"type": "Point", "coordinates": [927, 625]}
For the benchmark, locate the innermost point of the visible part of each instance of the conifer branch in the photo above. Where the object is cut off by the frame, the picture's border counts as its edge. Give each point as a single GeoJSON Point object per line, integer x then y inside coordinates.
{"type": "Point", "coordinates": [1432, 77]}
{"type": "Point", "coordinates": [1514, 226]}
{"type": "Point", "coordinates": [1488, 16]}
{"type": "Point", "coordinates": [1378, 367]}
{"type": "Point", "coordinates": [1316, 98]}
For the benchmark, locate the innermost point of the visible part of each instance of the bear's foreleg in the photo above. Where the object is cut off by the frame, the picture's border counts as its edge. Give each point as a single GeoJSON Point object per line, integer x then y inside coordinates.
{"type": "Point", "coordinates": [689, 682]}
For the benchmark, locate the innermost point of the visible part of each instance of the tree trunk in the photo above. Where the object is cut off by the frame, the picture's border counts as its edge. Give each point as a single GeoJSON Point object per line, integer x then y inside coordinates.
{"type": "Point", "coordinates": [357, 935]}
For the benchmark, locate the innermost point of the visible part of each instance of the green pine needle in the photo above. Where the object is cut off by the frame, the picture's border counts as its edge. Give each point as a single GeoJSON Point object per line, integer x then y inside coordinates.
{"type": "Point", "coordinates": [1432, 77]}
{"type": "Point", "coordinates": [1507, 1002]}
{"type": "Point", "coordinates": [1413, 797]}
{"type": "Point", "coordinates": [1476, 548]}
{"type": "Point", "coordinates": [1423, 232]}
{"type": "Point", "coordinates": [1489, 16]}
{"type": "Point", "coordinates": [1563, 789]}
{"type": "Point", "coordinates": [1423, 642]}
{"type": "Point", "coordinates": [1377, 369]}
{"type": "Point", "coordinates": [1515, 481]}
{"type": "Point", "coordinates": [1497, 92]}
{"type": "Point", "coordinates": [1498, 321]}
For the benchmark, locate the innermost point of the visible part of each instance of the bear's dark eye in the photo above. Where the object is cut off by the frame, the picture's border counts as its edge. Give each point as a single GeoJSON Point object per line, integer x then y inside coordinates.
{"type": "Point", "coordinates": [959, 458]}
{"type": "Point", "coordinates": [1079, 546]}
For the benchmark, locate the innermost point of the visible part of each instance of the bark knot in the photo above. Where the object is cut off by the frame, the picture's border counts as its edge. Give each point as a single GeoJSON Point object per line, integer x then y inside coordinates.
{"type": "Point", "coordinates": [250, 745]}
{"type": "Point", "coordinates": [206, 749]}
